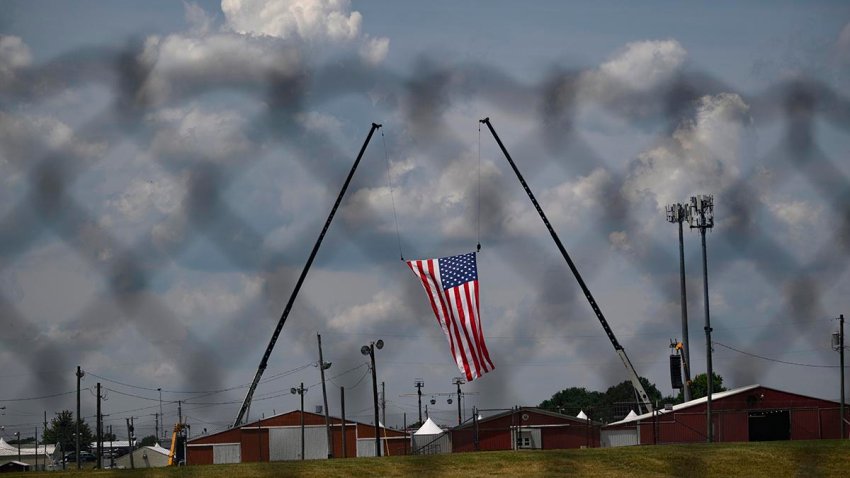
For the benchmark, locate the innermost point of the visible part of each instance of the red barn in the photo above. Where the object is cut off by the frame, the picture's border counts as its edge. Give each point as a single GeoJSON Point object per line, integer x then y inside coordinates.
{"type": "Point", "coordinates": [279, 438]}
{"type": "Point", "coordinates": [526, 428]}
{"type": "Point", "coordinates": [753, 413]}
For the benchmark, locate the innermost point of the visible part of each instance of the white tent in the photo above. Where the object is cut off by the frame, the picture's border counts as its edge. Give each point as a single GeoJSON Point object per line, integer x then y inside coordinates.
{"type": "Point", "coordinates": [430, 439]}
{"type": "Point", "coordinates": [428, 428]}
{"type": "Point", "coordinates": [581, 415]}
{"type": "Point", "coordinates": [28, 454]}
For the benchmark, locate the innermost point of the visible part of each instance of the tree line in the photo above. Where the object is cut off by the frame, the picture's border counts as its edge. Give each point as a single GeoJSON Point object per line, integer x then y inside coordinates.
{"type": "Point", "coordinates": [615, 403]}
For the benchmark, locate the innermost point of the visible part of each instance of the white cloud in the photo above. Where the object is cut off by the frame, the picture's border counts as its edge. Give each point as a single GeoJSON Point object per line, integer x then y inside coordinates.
{"type": "Point", "coordinates": [303, 19]}
{"type": "Point", "coordinates": [27, 138]}
{"type": "Point", "coordinates": [14, 54]}
{"type": "Point", "coordinates": [564, 203]}
{"type": "Point", "coordinates": [639, 68]}
{"type": "Point", "coordinates": [200, 22]}
{"type": "Point", "coordinates": [313, 21]}
{"type": "Point", "coordinates": [197, 133]}
{"type": "Point", "coordinates": [374, 50]}
{"type": "Point", "coordinates": [383, 307]}
{"type": "Point", "coordinates": [187, 63]}
{"type": "Point", "coordinates": [703, 155]}
{"type": "Point", "coordinates": [163, 195]}
{"type": "Point", "coordinates": [645, 64]}
{"type": "Point", "coordinates": [217, 296]}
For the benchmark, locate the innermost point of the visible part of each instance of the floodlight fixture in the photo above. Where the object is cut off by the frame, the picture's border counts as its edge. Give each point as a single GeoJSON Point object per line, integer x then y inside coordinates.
{"type": "Point", "coordinates": [433, 401]}
{"type": "Point", "coordinates": [364, 350]}
{"type": "Point", "coordinates": [449, 401]}
{"type": "Point", "coordinates": [701, 213]}
{"type": "Point", "coordinates": [379, 344]}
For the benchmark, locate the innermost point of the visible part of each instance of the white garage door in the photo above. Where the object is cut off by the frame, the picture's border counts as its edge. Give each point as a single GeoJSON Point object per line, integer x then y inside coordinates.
{"type": "Point", "coordinates": [227, 454]}
{"type": "Point", "coordinates": [285, 443]}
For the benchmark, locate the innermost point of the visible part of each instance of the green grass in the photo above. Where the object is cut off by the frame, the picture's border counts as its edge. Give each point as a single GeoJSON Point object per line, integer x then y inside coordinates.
{"type": "Point", "coordinates": [776, 459]}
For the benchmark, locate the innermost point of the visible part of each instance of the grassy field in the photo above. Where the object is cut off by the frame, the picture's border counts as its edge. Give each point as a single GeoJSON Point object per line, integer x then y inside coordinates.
{"type": "Point", "coordinates": [776, 459]}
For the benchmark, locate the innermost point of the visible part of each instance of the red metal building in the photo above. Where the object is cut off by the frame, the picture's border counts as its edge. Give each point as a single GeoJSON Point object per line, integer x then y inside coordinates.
{"type": "Point", "coordinates": [753, 413]}
{"type": "Point", "coordinates": [526, 428]}
{"type": "Point", "coordinates": [279, 438]}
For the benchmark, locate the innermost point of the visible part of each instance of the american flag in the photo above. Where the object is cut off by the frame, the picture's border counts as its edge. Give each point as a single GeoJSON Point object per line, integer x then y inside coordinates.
{"type": "Point", "coordinates": [451, 284]}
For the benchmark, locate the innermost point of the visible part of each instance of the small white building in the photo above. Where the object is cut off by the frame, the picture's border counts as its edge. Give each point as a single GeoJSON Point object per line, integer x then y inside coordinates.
{"type": "Point", "coordinates": [430, 439]}
{"type": "Point", "coordinates": [145, 457]}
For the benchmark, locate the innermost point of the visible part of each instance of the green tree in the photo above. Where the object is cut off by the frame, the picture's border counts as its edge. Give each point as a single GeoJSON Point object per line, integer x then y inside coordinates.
{"type": "Point", "coordinates": [149, 440]}
{"type": "Point", "coordinates": [61, 432]}
{"type": "Point", "coordinates": [572, 400]}
{"type": "Point", "coordinates": [699, 385]}
{"type": "Point", "coordinates": [612, 404]}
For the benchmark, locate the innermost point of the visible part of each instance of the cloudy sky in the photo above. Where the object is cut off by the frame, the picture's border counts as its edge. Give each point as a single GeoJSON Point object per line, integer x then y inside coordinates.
{"type": "Point", "coordinates": [167, 166]}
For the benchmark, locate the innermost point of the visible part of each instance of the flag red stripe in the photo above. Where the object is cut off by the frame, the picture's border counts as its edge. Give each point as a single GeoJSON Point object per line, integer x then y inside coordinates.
{"type": "Point", "coordinates": [463, 319]}
{"type": "Point", "coordinates": [481, 332]}
{"type": "Point", "coordinates": [431, 289]}
{"type": "Point", "coordinates": [473, 322]}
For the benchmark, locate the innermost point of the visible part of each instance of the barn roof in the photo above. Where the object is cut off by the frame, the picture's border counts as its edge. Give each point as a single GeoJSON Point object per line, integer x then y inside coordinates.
{"type": "Point", "coordinates": [632, 417]}
{"type": "Point", "coordinates": [266, 420]}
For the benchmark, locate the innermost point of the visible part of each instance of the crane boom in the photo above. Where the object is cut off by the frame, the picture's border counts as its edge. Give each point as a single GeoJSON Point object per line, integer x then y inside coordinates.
{"type": "Point", "coordinates": [264, 361]}
{"type": "Point", "coordinates": [633, 376]}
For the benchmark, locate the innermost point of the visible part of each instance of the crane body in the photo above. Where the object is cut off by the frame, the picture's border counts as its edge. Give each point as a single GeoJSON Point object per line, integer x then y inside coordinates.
{"type": "Point", "coordinates": [621, 352]}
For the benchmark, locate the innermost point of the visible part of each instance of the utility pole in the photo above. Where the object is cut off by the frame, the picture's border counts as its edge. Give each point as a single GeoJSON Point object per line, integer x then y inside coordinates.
{"type": "Point", "coordinates": [300, 391]}
{"type": "Point", "coordinates": [45, 443]}
{"type": "Point", "coordinates": [841, 354]}
{"type": "Point", "coordinates": [36, 448]}
{"type": "Point", "coordinates": [111, 450]}
{"type": "Point", "coordinates": [370, 351]}
{"type": "Point", "coordinates": [475, 428]}
{"type": "Point", "coordinates": [130, 440]}
{"type": "Point", "coordinates": [99, 431]}
{"type": "Point", "coordinates": [160, 413]}
{"type": "Point", "coordinates": [383, 403]}
{"type": "Point", "coordinates": [458, 381]}
{"type": "Point", "coordinates": [702, 218]}
{"type": "Point", "coordinates": [342, 406]}
{"type": "Point", "coordinates": [322, 368]}
{"type": "Point", "coordinates": [156, 425]}
{"type": "Point", "coordinates": [419, 384]}
{"type": "Point", "coordinates": [838, 344]}
{"type": "Point", "coordinates": [678, 214]}
{"type": "Point", "coordinates": [77, 425]}
{"type": "Point", "coordinates": [179, 411]}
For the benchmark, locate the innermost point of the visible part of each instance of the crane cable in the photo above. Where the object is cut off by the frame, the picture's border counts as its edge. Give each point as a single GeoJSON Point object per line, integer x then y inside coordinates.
{"type": "Point", "coordinates": [478, 227]}
{"type": "Point", "coordinates": [392, 198]}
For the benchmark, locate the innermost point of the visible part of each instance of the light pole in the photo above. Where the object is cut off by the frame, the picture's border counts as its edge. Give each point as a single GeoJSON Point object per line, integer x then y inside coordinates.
{"type": "Point", "coordinates": [459, 381]}
{"type": "Point", "coordinates": [18, 439]}
{"type": "Point", "coordinates": [677, 213]}
{"type": "Point", "coordinates": [838, 344]}
{"type": "Point", "coordinates": [702, 218]}
{"type": "Point", "coordinates": [370, 351]}
{"type": "Point", "coordinates": [300, 391]}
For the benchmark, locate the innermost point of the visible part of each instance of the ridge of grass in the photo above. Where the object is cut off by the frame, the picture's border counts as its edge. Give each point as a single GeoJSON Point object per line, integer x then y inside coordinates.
{"type": "Point", "coordinates": [818, 458]}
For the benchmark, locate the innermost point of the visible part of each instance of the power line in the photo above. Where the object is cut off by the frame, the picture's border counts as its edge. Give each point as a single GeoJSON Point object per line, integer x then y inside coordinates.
{"type": "Point", "coordinates": [776, 360]}
{"type": "Point", "coordinates": [41, 397]}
